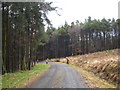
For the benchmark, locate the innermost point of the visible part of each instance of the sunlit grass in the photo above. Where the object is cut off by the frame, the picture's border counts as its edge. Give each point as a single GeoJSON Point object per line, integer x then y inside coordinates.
{"type": "Point", "coordinates": [22, 78]}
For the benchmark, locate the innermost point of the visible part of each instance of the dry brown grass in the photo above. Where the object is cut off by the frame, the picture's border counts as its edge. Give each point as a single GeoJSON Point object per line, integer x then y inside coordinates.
{"type": "Point", "coordinates": [103, 64]}
{"type": "Point", "coordinates": [92, 81]}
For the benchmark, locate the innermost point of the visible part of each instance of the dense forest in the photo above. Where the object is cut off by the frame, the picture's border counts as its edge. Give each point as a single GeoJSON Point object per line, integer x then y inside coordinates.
{"type": "Point", "coordinates": [25, 39]}
{"type": "Point", "coordinates": [82, 38]}
{"type": "Point", "coordinates": [23, 31]}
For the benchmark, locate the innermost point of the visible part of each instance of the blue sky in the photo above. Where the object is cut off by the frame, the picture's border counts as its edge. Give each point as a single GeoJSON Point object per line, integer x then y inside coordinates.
{"type": "Point", "coordinates": [73, 10]}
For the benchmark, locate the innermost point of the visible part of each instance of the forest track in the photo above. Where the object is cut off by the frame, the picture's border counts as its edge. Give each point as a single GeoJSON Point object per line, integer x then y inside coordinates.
{"type": "Point", "coordinates": [60, 76]}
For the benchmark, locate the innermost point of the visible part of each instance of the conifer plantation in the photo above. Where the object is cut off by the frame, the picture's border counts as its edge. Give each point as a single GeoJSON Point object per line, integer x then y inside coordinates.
{"type": "Point", "coordinates": [25, 40]}
{"type": "Point", "coordinates": [23, 32]}
{"type": "Point", "coordinates": [82, 38]}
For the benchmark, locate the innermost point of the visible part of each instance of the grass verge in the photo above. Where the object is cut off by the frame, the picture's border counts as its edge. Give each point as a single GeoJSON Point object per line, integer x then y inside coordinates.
{"type": "Point", "coordinates": [92, 80]}
{"type": "Point", "coordinates": [23, 78]}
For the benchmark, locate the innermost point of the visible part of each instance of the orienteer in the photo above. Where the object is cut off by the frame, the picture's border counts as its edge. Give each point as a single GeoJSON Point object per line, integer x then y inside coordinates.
{"type": "Point", "coordinates": [67, 60]}
{"type": "Point", "coordinates": [47, 61]}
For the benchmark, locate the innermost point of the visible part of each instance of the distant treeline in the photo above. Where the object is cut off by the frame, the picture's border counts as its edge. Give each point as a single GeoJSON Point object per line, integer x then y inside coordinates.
{"type": "Point", "coordinates": [82, 38]}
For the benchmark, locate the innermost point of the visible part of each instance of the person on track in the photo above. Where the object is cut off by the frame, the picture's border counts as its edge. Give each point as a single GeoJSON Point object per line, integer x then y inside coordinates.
{"type": "Point", "coordinates": [47, 61]}
{"type": "Point", "coordinates": [67, 60]}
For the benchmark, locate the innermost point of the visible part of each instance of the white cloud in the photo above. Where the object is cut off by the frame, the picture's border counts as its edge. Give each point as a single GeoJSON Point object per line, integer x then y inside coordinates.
{"type": "Point", "coordinates": [80, 9]}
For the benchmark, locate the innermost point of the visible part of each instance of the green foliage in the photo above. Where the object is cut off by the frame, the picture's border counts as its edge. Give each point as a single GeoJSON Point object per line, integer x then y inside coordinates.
{"type": "Point", "coordinates": [62, 31]}
{"type": "Point", "coordinates": [118, 22]}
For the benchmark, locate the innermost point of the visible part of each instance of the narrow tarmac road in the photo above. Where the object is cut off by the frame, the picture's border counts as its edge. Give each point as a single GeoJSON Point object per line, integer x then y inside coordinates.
{"type": "Point", "coordinates": [60, 76]}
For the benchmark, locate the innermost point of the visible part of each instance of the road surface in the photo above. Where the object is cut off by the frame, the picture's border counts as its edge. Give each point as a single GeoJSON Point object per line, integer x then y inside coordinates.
{"type": "Point", "coordinates": [60, 76]}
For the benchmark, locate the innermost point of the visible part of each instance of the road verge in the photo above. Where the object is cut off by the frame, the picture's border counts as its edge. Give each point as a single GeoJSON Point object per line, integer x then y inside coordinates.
{"type": "Point", "coordinates": [22, 79]}
{"type": "Point", "coordinates": [92, 80]}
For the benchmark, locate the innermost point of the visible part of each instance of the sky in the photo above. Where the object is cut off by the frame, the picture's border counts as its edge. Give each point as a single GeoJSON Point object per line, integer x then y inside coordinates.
{"type": "Point", "coordinates": [72, 10]}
